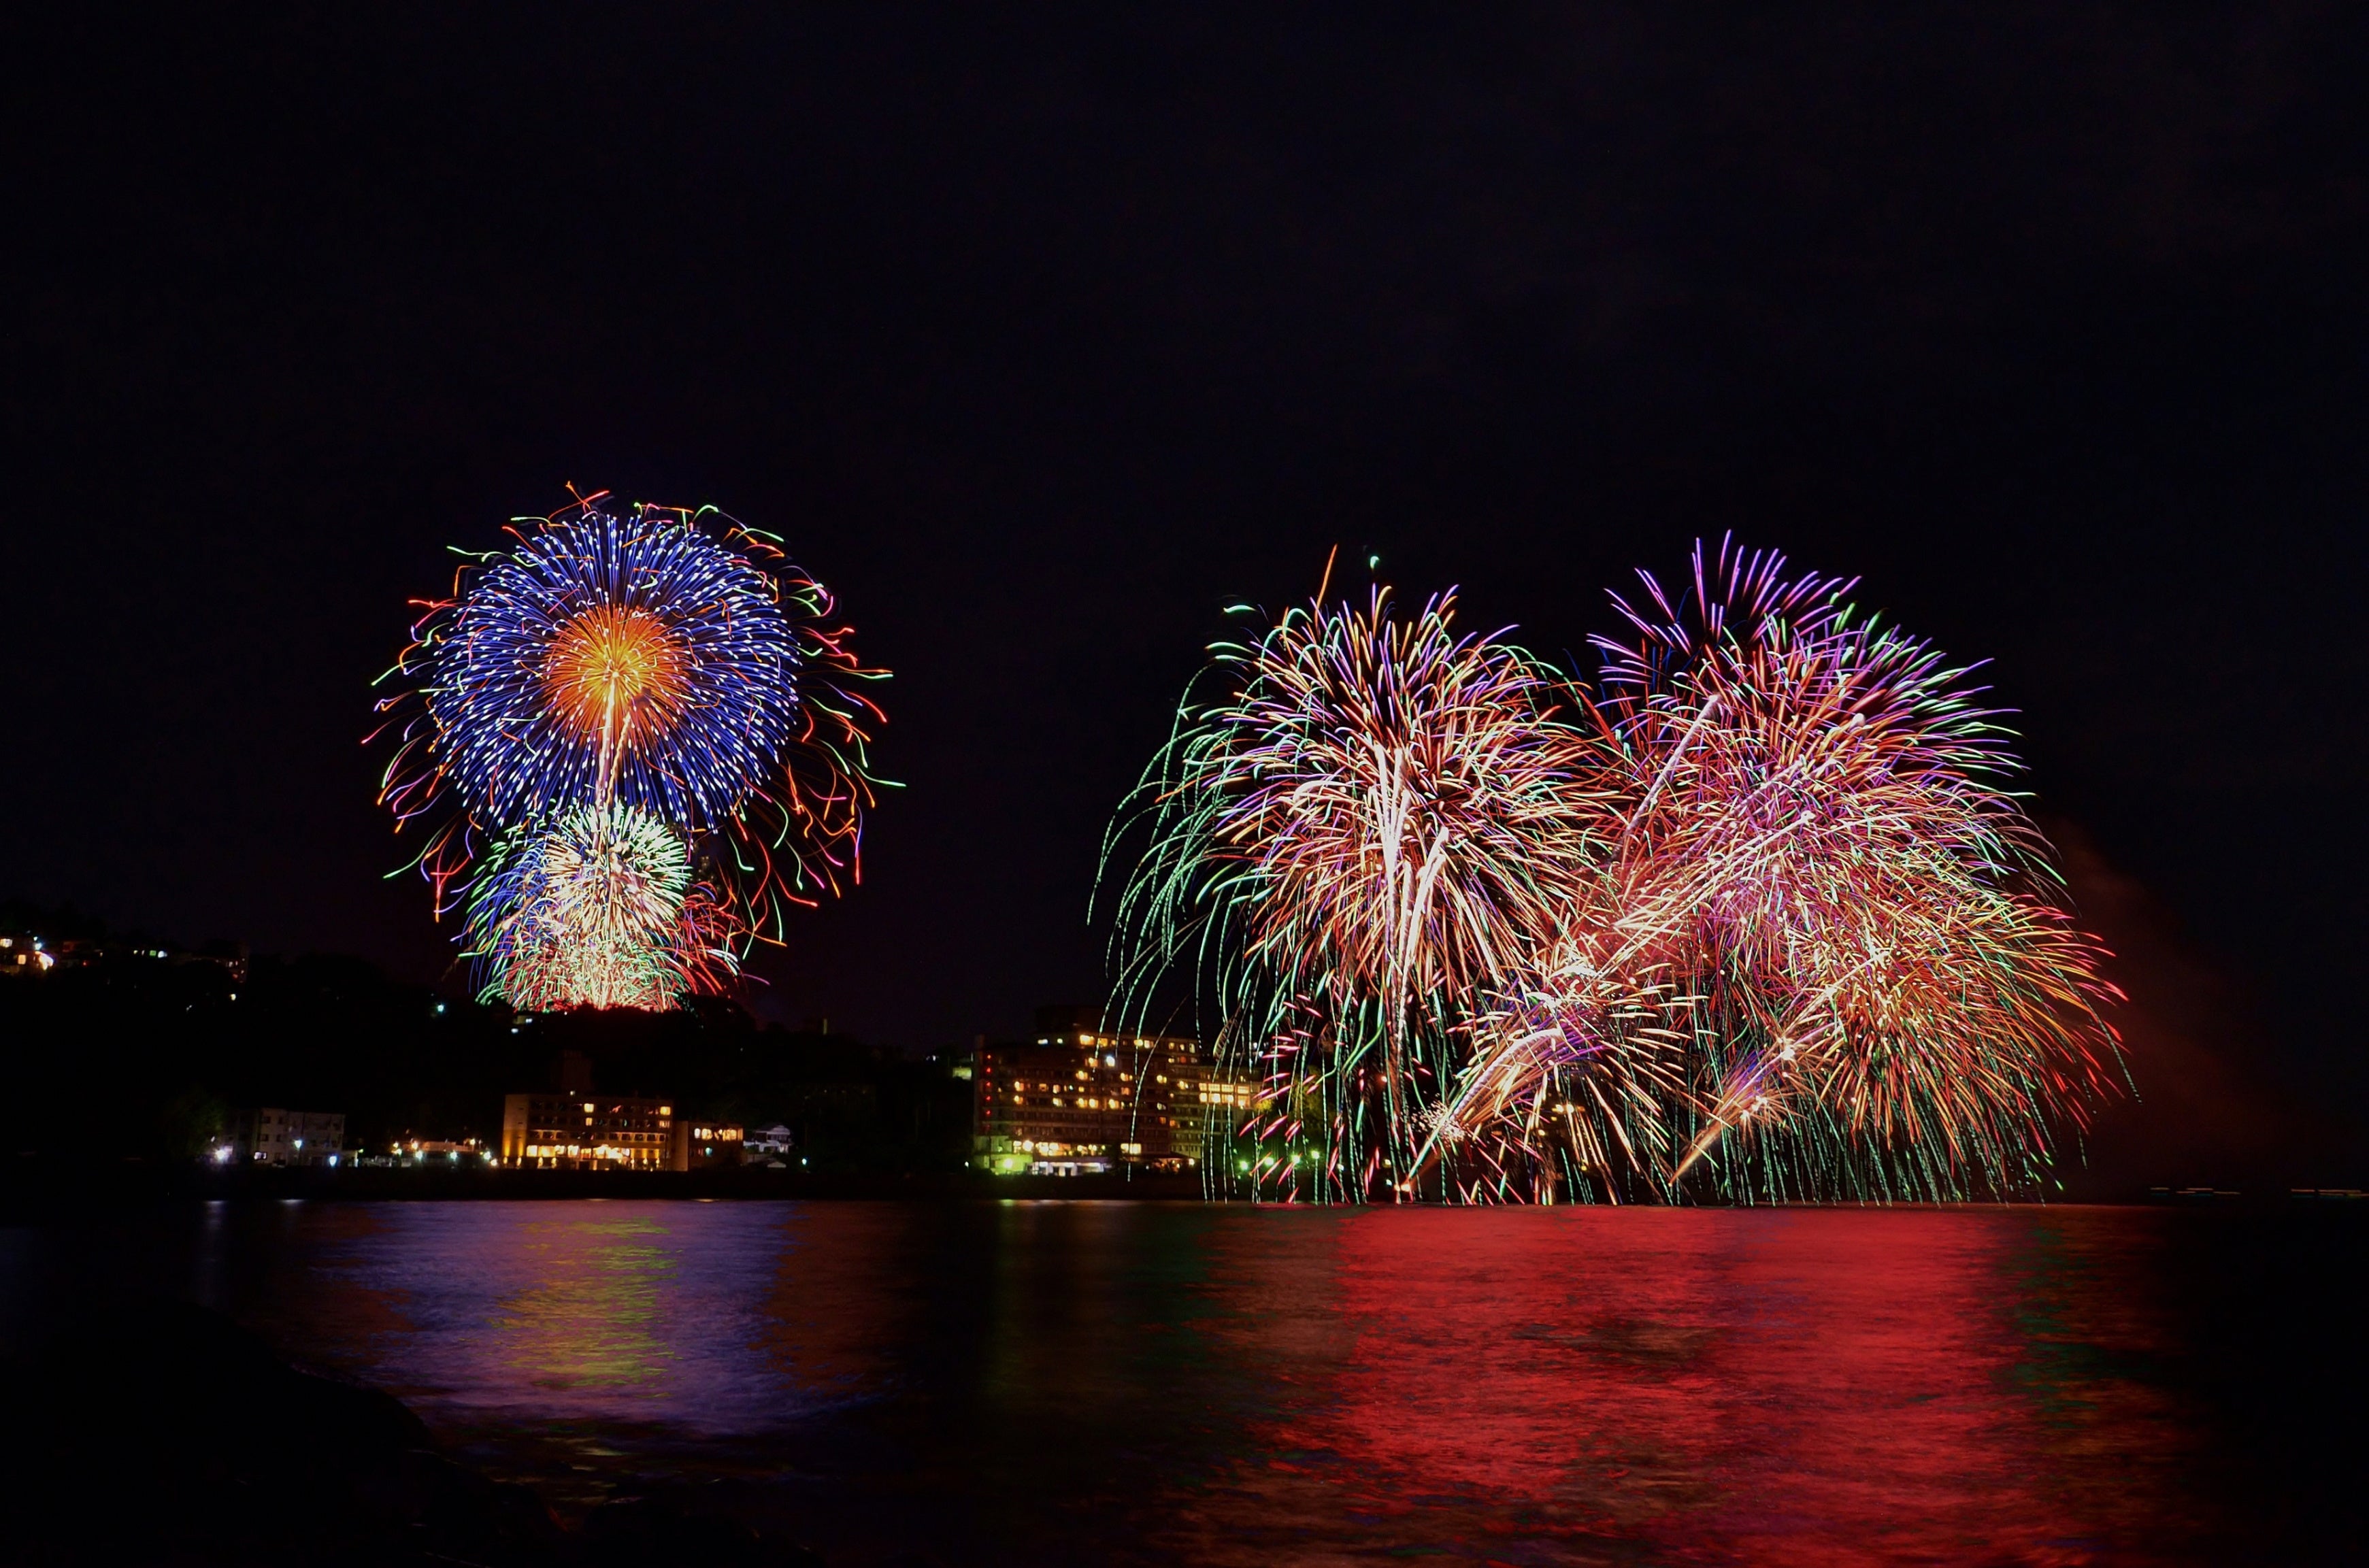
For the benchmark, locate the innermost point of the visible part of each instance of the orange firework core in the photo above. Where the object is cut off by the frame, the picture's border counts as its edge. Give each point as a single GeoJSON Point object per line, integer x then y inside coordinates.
{"type": "Point", "coordinates": [616, 673]}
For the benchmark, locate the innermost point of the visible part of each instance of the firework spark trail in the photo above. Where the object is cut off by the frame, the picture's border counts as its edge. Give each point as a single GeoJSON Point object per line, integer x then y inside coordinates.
{"type": "Point", "coordinates": [1838, 862]}
{"type": "Point", "coordinates": [582, 908]}
{"type": "Point", "coordinates": [1758, 910]}
{"type": "Point", "coordinates": [643, 735]}
{"type": "Point", "coordinates": [1365, 827]}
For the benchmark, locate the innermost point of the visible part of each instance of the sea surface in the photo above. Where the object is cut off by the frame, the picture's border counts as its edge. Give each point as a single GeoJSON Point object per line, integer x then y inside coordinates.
{"type": "Point", "coordinates": [1051, 1383]}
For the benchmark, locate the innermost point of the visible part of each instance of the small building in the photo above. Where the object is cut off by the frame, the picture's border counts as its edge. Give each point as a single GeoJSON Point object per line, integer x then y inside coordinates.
{"type": "Point", "coordinates": [767, 1145]}
{"type": "Point", "coordinates": [271, 1135]}
{"type": "Point", "coordinates": [582, 1131]}
{"type": "Point", "coordinates": [22, 953]}
{"type": "Point", "coordinates": [704, 1146]}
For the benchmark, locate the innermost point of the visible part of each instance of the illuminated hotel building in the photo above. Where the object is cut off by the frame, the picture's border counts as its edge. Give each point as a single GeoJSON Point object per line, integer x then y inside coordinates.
{"type": "Point", "coordinates": [1085, 1101]}
{"type": "Point", "coordinates": [582, 1131]}
{"type": "Point", "coordinates": [699, 1145]}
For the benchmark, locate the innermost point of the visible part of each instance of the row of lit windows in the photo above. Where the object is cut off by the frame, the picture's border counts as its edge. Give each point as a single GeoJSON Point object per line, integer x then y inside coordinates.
{"type": "Point", "coordinates": [1084, 1076]}
{"type": "Point", "coordinates": [1142, 1041]}
{"type": "Point", "coordinates": [540, 1106]}
{"type": "Point", "coordinates": [617, 1121]}
{"type": "Point", "coordinates": [1070, 1117]}
{"type": "Point", "coordinates": [1081, 1076]}
{"type": "Point", "coordinates": [1186, 1085]}
{"type": "Point", "coordinates": [1047, 1127]}
{"type": "Point", "coordinates": [1070, 1103]}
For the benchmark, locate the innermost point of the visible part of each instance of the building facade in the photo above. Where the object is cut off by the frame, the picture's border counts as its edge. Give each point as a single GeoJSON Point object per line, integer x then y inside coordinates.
{"type": "Point", "coordinates": [704, 1146]}
{"type": "Point", "coordinates": [1084, 1101]}
{"type": "Point", "coordinates": [582, 1131]}
{"type": "Point", "coordinates": [271, 1135]}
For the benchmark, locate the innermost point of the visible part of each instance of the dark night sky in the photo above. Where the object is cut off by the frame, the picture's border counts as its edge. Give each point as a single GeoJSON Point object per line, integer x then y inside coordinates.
{"type": "Point", "coordinates": [1043, 338]}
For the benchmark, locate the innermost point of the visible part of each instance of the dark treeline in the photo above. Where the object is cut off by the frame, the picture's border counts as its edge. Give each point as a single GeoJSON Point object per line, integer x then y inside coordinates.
{"type": "Point", "coordinates": [850, 1106]}
{"type": "Point", "coordinates": [119, 1053]}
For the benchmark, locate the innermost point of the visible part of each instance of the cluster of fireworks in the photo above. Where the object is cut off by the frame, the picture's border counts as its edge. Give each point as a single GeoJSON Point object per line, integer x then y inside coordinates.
{"type": "Point", "coordinates": [1752, 910]}
{"type": "Point", "coordinates": [633, 740]}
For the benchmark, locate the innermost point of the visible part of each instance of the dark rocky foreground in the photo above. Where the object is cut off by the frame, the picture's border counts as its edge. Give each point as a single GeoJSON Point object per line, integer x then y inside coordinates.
{"type": "Point", "coordinates": [154, 1432]}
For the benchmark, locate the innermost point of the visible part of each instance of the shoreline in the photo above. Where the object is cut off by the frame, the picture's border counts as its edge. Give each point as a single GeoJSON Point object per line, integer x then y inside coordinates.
{"type": "Point", "coordinates": [28, 1189]}
{"type": "Point", "coordinates": [30, 1186]}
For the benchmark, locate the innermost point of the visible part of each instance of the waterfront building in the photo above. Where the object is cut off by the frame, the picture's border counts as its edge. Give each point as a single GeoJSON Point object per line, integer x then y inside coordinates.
{"type": "Point", "coordinates": [704, 1146]}
{"type": "Point", "coordinates": [1083, 1101]}
{"type": "Point", "coordinates": [24, 954]}
{"type": "Point", "coordinates": [767, 1145]}
{"type": "Point", "coordinates": [582, 1131]}
{"type": "Point", "coordinates": [271, 1135]}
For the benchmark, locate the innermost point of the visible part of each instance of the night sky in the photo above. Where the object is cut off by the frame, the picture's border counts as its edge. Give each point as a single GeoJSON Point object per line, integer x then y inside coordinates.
{"type": "Point", "coordinates": [1042, 340]}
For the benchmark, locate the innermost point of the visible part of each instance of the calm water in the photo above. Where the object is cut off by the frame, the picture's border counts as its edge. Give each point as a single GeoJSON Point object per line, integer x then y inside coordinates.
{"type": "Point", "coordinates": [1053, 1383]}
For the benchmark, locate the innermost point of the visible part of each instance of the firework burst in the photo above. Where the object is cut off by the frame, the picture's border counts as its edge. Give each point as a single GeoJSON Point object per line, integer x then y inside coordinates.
{"type": "Point", "coordinates": [589, 907]}
{"type": "Point", "coordinates": [1363, 828]}
{"type": "Point", "coordinates": [1755, 914]}
{"type": "Point", "coordinates": [591, 715]}
{"type": "Point", "coordinates": [1892, 998]}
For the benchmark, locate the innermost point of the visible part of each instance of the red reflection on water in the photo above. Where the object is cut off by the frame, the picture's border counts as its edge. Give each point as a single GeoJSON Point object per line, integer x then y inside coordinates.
{"type": "Point", "coordinates": [1086, 1383]}
{"type": "Point", "coordinates": [833, 1307]}
{"type": "Point", "coordinates": [1806, 1387]}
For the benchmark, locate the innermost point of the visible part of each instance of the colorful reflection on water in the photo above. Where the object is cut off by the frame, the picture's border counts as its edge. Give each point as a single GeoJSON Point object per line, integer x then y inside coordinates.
{"type": "Point", "coordinates": [1143, 1383]}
